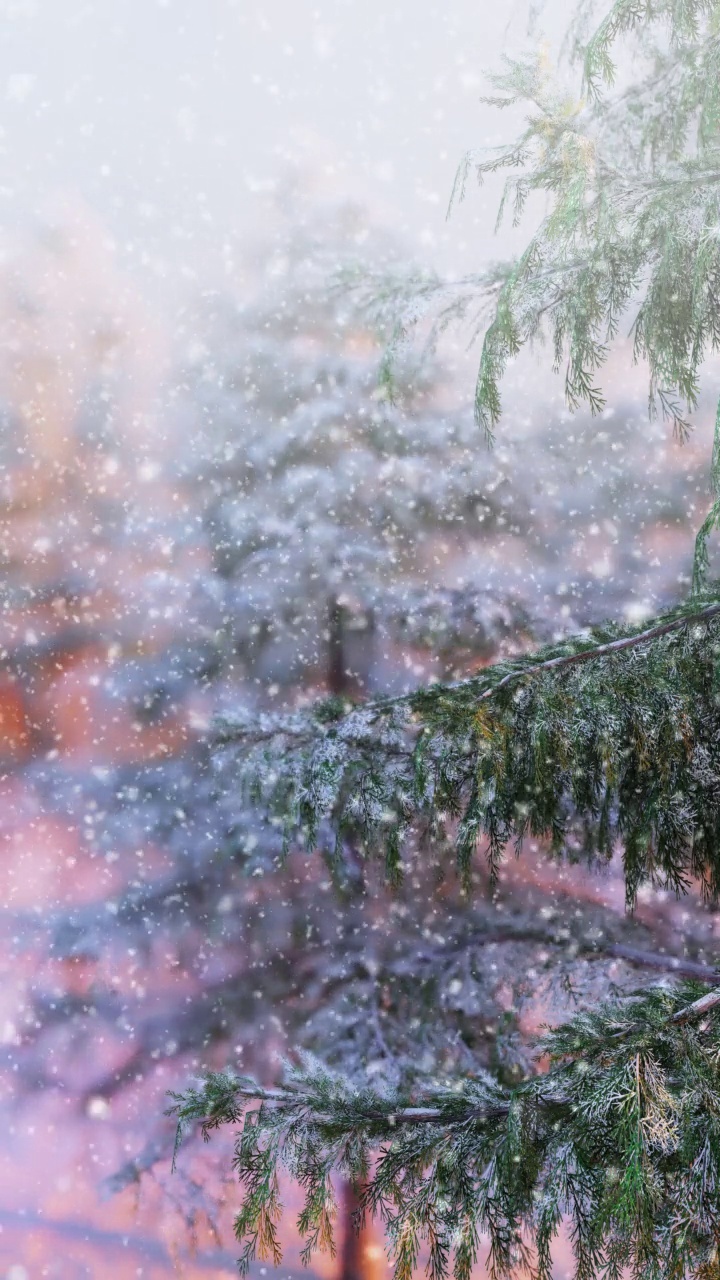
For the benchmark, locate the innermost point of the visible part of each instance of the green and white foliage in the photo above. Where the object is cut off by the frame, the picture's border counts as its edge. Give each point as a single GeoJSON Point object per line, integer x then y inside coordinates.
{"type": "Point", "coordinates": [607, 739]}
{"type": "Point", "coordinates": [619, 1139]}
{"type": "Point", "coordinates": [604, 743]}
{"type": "Point", "coordinates": [630, 176]}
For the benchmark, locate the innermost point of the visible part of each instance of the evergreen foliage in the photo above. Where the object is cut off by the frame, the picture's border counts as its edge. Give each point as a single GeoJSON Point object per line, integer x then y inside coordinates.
{"type": "Point", "coordinates": [608, 740]}
{"type": "Point", "coordinates": [331, 975]}
{"type": "Point", "coordinates": [633, 207]}
{"type": "Point", "coordinates": [594, 741]}
{"type": "Point", "coordinates": [591, 742]}
{"type": "Point", "coordinates": [619, 1137]}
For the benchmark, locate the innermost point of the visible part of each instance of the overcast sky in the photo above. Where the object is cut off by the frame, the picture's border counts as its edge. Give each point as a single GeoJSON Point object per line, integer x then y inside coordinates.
{"type": "Point", "coordinates": [172, 118]}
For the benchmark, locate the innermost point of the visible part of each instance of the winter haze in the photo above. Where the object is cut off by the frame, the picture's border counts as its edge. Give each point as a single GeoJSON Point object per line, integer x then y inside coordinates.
{"type": "Point", "coordinates": [213, 513]}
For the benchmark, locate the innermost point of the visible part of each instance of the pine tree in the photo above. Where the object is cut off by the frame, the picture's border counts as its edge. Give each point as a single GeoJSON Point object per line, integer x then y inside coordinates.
{"type": "Point", "coordinates": [322, 527]}
{"type": "Point", "coordinates": [608, 740]}
{"type": "Point", "coordinates": [263, 942]}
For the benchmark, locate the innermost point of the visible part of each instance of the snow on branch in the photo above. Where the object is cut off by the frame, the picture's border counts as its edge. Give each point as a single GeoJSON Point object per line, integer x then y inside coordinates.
{"type": "Point", "coordinates": [564, 746]}
{"type": "Point", "coordinates": [618, 1137]}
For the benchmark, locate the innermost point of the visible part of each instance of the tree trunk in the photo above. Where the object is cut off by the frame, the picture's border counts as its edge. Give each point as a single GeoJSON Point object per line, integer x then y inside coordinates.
{"type": "Point", "coordinates": [337, 680]}
{"type": "Point", "coordinates": [363, 1253]}
{"type": "Point", "coordinates": [351, 882]}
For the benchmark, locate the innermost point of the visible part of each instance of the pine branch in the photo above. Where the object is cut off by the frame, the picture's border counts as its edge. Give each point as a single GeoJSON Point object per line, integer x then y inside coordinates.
{"type": "Point", "coordinates": [632, 184]}
{"type": "Point", "coordinates": [392, 1116]}
{"type": "Point", "coordinates": [592, 745]}
{"type": "Point", "coordinates": [509, 1163]}
{"type": "Point", "coordinates": [263, 728]}
{"type": "Point", "coordinates": [523, 930]}
{"type": "Point", "coordinates": [679, 965]}
{"type": "Point", "coordinates": [560, 746]}
{"type": "Point", "coordinates": [606, 650]}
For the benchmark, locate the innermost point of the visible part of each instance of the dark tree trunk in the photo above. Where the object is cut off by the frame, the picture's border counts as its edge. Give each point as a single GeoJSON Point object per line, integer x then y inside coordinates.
{"type": "Point", "coordinates": [350, 649]}
{"type": "Point", "coordinates": [341, 682]}
{"type": "Point", "coordinates": [337, 678]}
{"type": "Point", "coordinates": [362, 1257]}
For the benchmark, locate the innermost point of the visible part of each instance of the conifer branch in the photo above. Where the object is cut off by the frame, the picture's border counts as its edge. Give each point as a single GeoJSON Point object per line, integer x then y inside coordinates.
{"type": "Point", "coordinates": [264, 728]}
{"type": "Point", "coordinates": [507, 1163]}
{"type": "Point", "coordinates": [606, 650]}
{"type": "Point", "coordinates": [420, 1113]}
{"type": "Point", "coordinates": [562, 745]}
{"type": "Point", "coordinates": [590, 746]}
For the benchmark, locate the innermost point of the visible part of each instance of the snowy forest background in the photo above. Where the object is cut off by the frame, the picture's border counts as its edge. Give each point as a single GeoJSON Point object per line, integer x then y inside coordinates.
{"type": "Point", "coordinates": [207, 506]}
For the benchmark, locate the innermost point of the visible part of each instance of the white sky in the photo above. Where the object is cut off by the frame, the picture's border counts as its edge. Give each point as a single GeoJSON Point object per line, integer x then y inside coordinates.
{"type": "Point", "coordinates": [171, 117]}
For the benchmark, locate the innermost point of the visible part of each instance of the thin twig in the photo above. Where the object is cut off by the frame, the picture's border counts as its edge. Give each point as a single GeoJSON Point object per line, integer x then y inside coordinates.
{"type": "Point", "coordinates": [605, 650]}
{"type": "Point", "coordinates": [698, 1008]}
